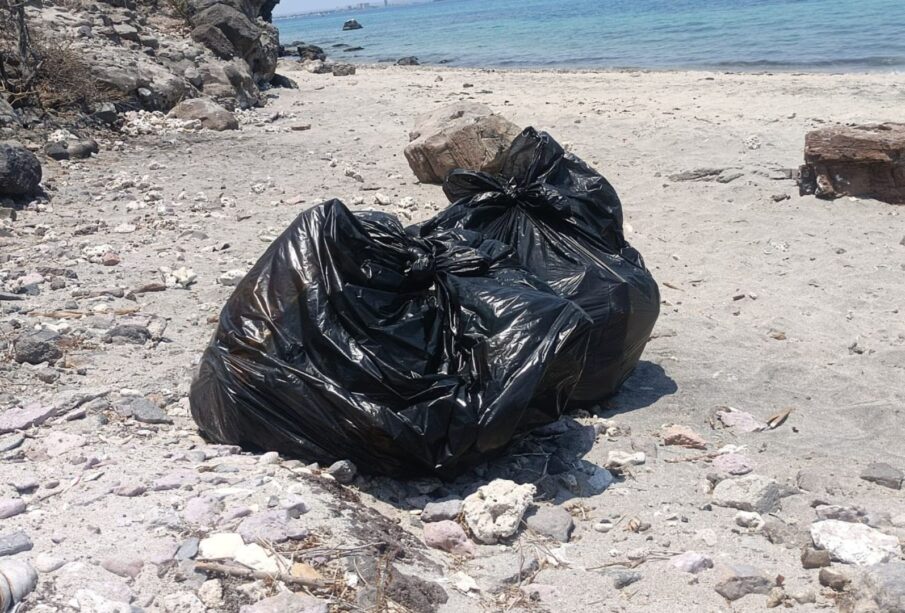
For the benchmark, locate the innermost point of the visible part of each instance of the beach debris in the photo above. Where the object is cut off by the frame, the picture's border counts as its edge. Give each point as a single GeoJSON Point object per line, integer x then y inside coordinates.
{"type": "Point", "coordinates": [778, 419]}
{"type": "Point", "coordinates": [883, 474]}
{"type": "Point", "coordinates": [862, 161]}
{"type": "Point", "coordinates": [852, 543]}
{"type": "Point", "coordinates": [495, 511]}
{"type": "Point", "coordinates": [464, 135]}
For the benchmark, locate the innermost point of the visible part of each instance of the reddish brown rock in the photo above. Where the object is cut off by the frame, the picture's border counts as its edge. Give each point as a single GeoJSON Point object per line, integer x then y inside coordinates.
{"type": "Point", "coordinates": [864, 161]}
{"type": "Point", "coordinates": [683, 436]}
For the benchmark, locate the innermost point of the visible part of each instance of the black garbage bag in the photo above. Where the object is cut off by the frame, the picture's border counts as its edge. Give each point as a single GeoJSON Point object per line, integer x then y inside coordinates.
{"type": "Point", "coordinates": [564, 221]}
{"type": "Point", "coordinates": [350, 339]}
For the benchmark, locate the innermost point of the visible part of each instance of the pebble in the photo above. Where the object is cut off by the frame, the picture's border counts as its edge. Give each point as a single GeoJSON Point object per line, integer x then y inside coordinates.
{"type": "Point", "coordinates": [123, 566]}
{"type": "Point", "coordinates": [47, 563]}
{"type": "Point", "coordinates": [130, 490]}
{"type": "Point", "coordinates": [733, 464]}
{"type": "Point", "coordinates": [884, 474]}
{"type": "Point", "coordinates": [343, 471]}
{"type": "Point", "coordinates": [220, 546]}
{"type": "Point", "coordinates": [443, 510]}
{"type": "Point", "coordinates": [749, 493]}
{"type": "Point", "coordinates": [739, 580]}
{"type": "Point", "coordinates": [10, 507]}
{"type": "Point", "coordinates": [188, 549]}
{"type": "Point", "coordinates": [683, 436]}
{"type": "Point", "coordinates": [624, 578]}
{"type": "Point", "coordinates": [271, 457]}
{"type": "Point", "coordinates": [833, 578]}
{"type": "Point", "coordinates": [553, 522]}
{"type": "Point", "coordinates": [287, 602]}
{"type": "Point", "coordinates": [814, 558]}
{"type": "Point", "coordinates": [740, 420]}
{"type": "Point", "coordinates": [691, 562]}
{"type": "Point", "coordinates": [854, 543]}
{"type": "Point", "coordinates": [448, 536]}
{"type": "Point", "coordinates": [272, 526]}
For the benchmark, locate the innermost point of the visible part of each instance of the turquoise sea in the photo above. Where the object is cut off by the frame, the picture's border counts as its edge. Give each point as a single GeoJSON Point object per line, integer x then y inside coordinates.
{"type": "Point", "coordinates": [835, 35]}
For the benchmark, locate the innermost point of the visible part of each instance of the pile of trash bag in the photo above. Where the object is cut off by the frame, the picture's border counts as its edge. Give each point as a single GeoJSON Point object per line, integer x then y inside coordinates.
{"type": "Point", "coordinates": [352, 339]}
{"type": "Point", "coordinates": [564, 221]}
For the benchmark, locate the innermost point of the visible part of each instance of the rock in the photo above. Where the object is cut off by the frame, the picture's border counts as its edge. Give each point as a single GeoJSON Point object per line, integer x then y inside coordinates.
{"type": "Point", "coordinates": [624, 578]}
{"type": "Point", "coordinates": [257, 558]}
{"type": "Point", "coordinates": [283, 81]}
{"type": "Point", "coordinates": [882, 473]}
{"type": "Point", "coordinates": [221, 546]}
{"type": "Point", "coordinates": [854, 543]}
{"type": "Point", "coordinates": [269, 526]}
{"type": "Point", "coordinates": [617, 460]}
{"type": "Point", "coordinates": [733, 464]}
{"type": "Point", "coordinates": [884, 586]}
{"type": "Point", "coordinates": [740, 420]}
{"type": "Point", "coordinates": [552, 522]}
{"type": "Point", "coordinates": [287, 602]}
{"type": "Point", "coordinates": [343, 471]}
{"type": "Point", "coordinates": [861, 161]}
{"type": "Point", "coordinates": [691, 562]}
{"type": "Point", "coordinates": [12, 543]}
{"type": "Point", "coordinates": [47, 562]}
{"type": "Point", "coordinates": [215, 40]}
{"type": "Point", "coordinates": [814, 558]}
{"type": "Point", "coordinates": [202, 511]}
{"type": "Point", "coordinates": [141, 409]}
{"type": "Point", "coordinates": [311, 52]}
{"type": "Point", "coordinates": [255, 41]}
{"type": "Point", "coordinates": [211, 115]}
{"type": "Point", "coordinates": [75, 150]}
{"type": "Point", "coordinates": [352, 24]}
{"type": "Point", "coordinates": [683, 436]}
{"type": "Point", "coordinates": [10, 507]}
{"type": "Point", "coordinates": [126, 32]}
{"type": "Point", "coordinates": [750, 493]}
{"type": "Point", "coordinates": [128, 334]}
{"type": "Point", "coordinates": [833, 579]}
{"type": "Point", "coordinates": [211, 593]}
{"type": "Point", "coordinates": [37, 347]}
{"type": "Point", "coordinates": [439, 511]}
{"type": "Point", "coordinates": [188, 549]}
{"type": "Point", "coordinates": [496, 509]}
{"type": "Point", "coordinates": [448, 536]}
{"type": "Point", "coordinates": [410, 60]}
{"type": "Point", "coordinates": [343, 70]}
{"type": "Point", "coordinates": [231, 278]}
{"type": "Point", "coordinates": [852, 514]}
{"type": "Point", "coordinates": [462, 135]}
{"type": "Point", "coordinates": [776, 597]}
{"type": "Point", "coordinates": [123, 566]}
{"type": "Point", "coordinates": [739, 580]}
{"type": "Point", "coordinates": [130, 490]}
{"type": "Point", "coordinates": [698, 174]}
{"type": "Point", "coordinates": [747, 519]}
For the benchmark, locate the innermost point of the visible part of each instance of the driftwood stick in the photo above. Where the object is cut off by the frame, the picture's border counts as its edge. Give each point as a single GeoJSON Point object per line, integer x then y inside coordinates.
{"type": "Point", "coordinates": [247, 573]}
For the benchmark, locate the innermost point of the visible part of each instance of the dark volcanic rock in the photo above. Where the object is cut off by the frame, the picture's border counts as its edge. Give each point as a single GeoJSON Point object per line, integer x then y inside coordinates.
{"type": "Point", "coordinates": [408, 61]}
{"type": "Point", "coordinates": [20, 171]}
{"type": "Point", "coordinates": [311, 52]}
{"type": "Point", "coordinates": [38, 347]}
{"type": "Point", "coordinates": [352, 24]}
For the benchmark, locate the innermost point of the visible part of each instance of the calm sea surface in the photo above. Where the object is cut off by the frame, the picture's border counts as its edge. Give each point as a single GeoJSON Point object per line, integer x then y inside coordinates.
{"type": "Point", "coordinates": [839, 35]}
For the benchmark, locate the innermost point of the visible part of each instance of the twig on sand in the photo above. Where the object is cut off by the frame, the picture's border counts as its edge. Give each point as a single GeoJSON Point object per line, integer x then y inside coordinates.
{"type": "Point", "coordinates": [247, 573]}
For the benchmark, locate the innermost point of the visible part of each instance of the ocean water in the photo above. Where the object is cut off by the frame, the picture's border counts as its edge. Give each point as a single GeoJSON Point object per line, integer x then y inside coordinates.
{"type": "Point", "coordinates": [835, 35]}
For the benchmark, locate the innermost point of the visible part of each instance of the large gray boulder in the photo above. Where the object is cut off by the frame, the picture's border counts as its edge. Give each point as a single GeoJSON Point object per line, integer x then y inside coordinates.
{"type": "Point", "coordinates": [462, 135]}
{"type": "Point", "coordinates": [211, 115]}
{"type": "Point", "coordinates": [229, 83]}
{"type": "Point", "coordinates": [20, 171]}
{"type": "Point", "coordinates": [237, 28]}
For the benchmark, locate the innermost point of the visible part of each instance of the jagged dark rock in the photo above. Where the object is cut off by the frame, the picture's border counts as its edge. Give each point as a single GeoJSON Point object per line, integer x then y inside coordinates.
{"type": "Point", "coordinates": [20, 171]}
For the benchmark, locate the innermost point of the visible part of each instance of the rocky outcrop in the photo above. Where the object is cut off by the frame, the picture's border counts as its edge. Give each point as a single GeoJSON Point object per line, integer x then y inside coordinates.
{"type": "Point", "coordinates": [863, 161]}
{"type": "Point", "coordinates": [352, 24]}
{"type": "Point", "coordinates": [237, 28]}
{"type": "Point", "coordinates": [20, 171]}
{"type": "Point", "coordinates": [462, 135]}
{"type": "Point", "coordinates": [311, 52]}
{"type": "Point", "coordinates": [211, 115]}
{"type": "Point", "coordinates": [410, 60]}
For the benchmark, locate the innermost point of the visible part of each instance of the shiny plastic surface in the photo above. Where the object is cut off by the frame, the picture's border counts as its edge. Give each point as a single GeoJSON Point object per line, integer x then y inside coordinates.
{"type": "Point", "coordinates": [350, 339]}
{"type": "Point", "coordinates": [564, 221]}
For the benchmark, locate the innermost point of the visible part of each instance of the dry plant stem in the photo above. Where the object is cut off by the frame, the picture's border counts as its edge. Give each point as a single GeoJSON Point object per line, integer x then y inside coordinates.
{"type": "Point", "coordinates": [247, 573]}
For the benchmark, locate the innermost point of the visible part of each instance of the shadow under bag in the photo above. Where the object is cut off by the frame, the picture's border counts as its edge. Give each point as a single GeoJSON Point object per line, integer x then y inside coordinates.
{"type": "Point", "coordinates": [350, 339]}
{"type": "Point", "coordinates": [564, 221]}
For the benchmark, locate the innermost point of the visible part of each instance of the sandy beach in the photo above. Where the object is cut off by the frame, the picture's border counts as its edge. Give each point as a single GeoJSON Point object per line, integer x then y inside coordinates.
{"type": "Point", "coordinates": [771, 301]}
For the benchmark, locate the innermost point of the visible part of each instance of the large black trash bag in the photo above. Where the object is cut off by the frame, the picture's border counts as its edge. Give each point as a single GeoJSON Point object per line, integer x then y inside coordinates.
{"type": "Point", "coordinates": [350, 339]}
{"type": "Point", "coordinates": [564, 221]}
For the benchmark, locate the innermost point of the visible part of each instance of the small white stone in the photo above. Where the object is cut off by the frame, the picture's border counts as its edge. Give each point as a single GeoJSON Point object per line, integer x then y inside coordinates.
{"type": "Point", "coordinates": [748, 519]}
{"type": "Point", "coordinates": [854, 543]}
{"type": "Point", "coordinates": [220, 546]}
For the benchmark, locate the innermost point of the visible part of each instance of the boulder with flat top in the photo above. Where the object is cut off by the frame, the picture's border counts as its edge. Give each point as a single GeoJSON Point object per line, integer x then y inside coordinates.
{"type": "Point", "coordinates": [861, 161]}
{"type": "Point", "coordinates": [462, 135]}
